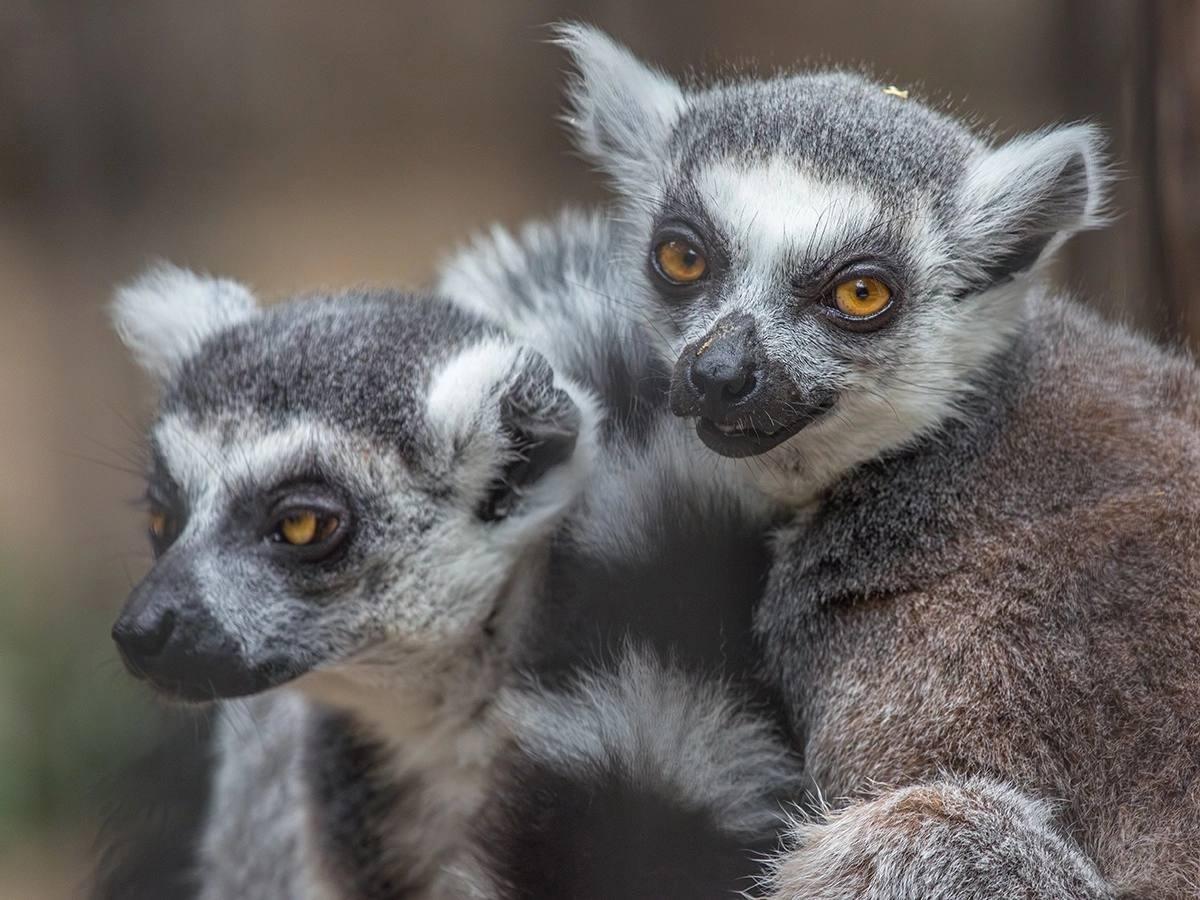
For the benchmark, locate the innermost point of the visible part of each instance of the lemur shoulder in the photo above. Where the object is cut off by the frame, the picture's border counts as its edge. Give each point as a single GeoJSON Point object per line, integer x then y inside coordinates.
{"type": "Point", "coordinates": [988, 599]}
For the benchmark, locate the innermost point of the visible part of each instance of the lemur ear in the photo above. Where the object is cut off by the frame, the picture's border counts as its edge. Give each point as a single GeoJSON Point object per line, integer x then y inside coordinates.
{"type": "Point", "coordinates": [620, 110]}
{"type": "Point", "coordinates": [542, 424]}
{"type": "Point", "coordinates": [166, 313]}
{"type": "Point", "coordinates": [1019, 201]}
{"type": "Point", "coordinates": [511, 427]}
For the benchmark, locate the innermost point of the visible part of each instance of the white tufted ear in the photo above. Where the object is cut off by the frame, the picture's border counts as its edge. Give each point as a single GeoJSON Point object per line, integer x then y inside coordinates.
{"type": "Point", "coordinates": [1019, 201]}
{"type": "Point", "coordinates": [517, 434]}
{"type": "Point", "coordinates": [620, 110]}
{"type": "Point", "coordinates": [165, 314]}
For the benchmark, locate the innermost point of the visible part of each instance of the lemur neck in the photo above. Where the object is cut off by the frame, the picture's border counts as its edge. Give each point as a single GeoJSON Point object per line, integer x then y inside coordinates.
{"type": "Point", "coordinates": [413, 697]}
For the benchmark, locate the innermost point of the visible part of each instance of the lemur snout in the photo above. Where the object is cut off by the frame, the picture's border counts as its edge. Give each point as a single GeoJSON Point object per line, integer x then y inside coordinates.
{"type": "Point", "coordinates": [145, 626]}
{"type": "Point", "coordinates": [723, 369]}
{"type": "Point", "coordinates": [723, 377]}
{"type": "Point", "coordinates": [165, 636]}
{"type": "Point", "coordinates": [744, 403]}
{"type": "Point", "coordinates": [141, 638]}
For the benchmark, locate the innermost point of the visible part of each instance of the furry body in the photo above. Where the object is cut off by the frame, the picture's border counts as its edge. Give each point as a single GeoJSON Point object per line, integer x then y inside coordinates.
{"type": "Point", "coordinates": [983, 614]}
{"type": "Point", "coordinates": [1016, 596]}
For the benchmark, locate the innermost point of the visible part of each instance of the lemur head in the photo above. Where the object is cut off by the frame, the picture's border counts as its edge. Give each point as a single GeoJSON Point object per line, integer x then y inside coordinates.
{"type": "Point", "coordinates": [344, 481]}
{"type": "Point", "coordinates": [833, 258]}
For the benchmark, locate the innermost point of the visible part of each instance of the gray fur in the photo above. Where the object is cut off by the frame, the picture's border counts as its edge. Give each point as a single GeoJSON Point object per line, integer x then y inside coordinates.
{"type": "Point", "coordinates": [694, 740]}
{"type": "Point", "coordinates": [992, 568]}
{"type": "Point", "coordinates": [1000, 843]}
{"type": "Point", "coordinates": [261, 800]}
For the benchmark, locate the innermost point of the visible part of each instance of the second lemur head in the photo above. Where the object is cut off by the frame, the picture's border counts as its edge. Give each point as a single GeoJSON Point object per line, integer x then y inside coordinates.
{"type": "Point", "coordinates": [833, 259]}
{"type": "Point", "coordinates": [338, 484]}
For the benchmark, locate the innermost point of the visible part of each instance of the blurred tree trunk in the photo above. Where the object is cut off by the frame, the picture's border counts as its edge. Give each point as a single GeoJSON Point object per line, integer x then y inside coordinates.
{"type": "Point", "coordinates": [1169, 110]}
{"type": "Point", "coordinates": [1134, 66]}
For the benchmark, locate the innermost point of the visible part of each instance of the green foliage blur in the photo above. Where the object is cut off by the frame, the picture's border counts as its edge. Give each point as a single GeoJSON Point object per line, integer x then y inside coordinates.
{"type": "Point", "coordinates": [71, 719]}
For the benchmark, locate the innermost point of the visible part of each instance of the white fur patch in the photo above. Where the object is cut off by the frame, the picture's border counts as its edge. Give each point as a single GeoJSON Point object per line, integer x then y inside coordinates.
{"type": "Point", "coordinates": [777, 209]}
{"type": "Point", "coordinates": [209, 463]}
{"type": "Point", "coordinates": [658, 725]}
{"type": "Point", "coordinates": [462, 393]}
{"type": "Point", "coordinates": [166, 313]}
{"type": "Point", "coordinates": [620, 110]}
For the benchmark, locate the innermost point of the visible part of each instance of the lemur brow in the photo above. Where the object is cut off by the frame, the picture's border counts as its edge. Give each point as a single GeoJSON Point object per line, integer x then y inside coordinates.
{"type": "Point", "coordinates": [877, 240]}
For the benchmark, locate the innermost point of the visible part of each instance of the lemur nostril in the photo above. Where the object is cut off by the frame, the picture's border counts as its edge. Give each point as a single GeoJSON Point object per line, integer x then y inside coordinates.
{"type": "Point", "coordinates": [739, 386]}
{"type": "Point", "coordinates": [732, 387]}
{"type": "Point", "coordinates": [723, 379]}
{"type": "Point", "coordinates": [142, 639]}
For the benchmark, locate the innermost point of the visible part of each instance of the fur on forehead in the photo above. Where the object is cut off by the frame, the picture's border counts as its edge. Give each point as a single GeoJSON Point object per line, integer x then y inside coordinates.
{"type": "Point", "coordinates": [166, 313]}
{"type": "Point", "coordinates": [1005, 207]}
{"type": "Point", "coordinates": [620, 110]}
{"type": "Point", "coordinates": [197, 453]}
{"type": "Point", "coordinates": [784, 213]}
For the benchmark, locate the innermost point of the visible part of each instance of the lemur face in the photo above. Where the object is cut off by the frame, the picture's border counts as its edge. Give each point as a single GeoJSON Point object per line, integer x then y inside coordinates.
{"type": "Point", "coordinates": [830, 255]}
{"type": "Point", "coordinates": [333, 478]}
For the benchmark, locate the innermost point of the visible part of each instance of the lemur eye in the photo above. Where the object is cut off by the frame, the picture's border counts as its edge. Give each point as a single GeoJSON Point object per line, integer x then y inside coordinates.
{"type": "Point", "coordinates": [163, 528]}
{"type": "Point", "coordinates": [679, 262]}
{"type": "Point", "coordinates": [862, 297]}
{"type": "Point", "coordinates": [308, 523]}
{"type": "Point", "coordinates": [158, 525]}
{"type": "Point", "coordinates": [305, 527]}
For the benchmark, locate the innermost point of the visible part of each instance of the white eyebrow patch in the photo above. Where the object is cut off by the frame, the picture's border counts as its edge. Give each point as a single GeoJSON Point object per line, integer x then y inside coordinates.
{"type": "Point", "coordinates": [211, 461]}
{"type": "Point", "coordinates": [773, 208]}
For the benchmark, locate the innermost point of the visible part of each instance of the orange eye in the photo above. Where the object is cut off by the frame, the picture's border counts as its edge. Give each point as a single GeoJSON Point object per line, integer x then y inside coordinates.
{"type": "Point", "coordinates": [306, 527]}
{"type": "Point", "coordinates": [163, 528]}
{"type": "Point", "coordinates": [679, 262]}
{"type": "Point", "coordinates": [158, 525]}
{"type": "Point", "coordinates": [860, 298]}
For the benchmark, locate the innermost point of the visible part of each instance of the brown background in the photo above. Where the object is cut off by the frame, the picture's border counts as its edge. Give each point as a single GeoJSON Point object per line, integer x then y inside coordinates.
{"type": "Point", "coordinates": [298, 144]}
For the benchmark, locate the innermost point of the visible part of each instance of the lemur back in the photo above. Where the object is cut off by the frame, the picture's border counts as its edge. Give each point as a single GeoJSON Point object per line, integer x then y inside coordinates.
{"type": "Point", "coordinates": [1040, 561]}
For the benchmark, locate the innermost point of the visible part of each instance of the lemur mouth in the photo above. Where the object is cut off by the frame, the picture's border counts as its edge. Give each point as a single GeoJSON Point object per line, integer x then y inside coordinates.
{"type": "Point", "coordinates": [208, 684]}
{"type": "Point", "coordinates": [742, 438]}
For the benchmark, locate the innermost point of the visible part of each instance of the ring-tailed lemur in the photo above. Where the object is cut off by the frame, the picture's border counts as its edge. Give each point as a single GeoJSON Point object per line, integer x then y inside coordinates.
{"type": "Point", "coordinates": [989, 598]}
{"type": "Point", "coordinates": [355, 497]}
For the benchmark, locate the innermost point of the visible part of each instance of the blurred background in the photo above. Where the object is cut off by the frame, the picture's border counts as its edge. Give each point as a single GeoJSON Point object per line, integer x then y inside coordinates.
{"type": "Point", "coordinates": [294, 144]}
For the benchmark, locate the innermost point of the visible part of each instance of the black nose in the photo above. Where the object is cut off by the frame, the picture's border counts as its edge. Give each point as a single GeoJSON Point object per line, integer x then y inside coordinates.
{"type": "Point", "coordinates": [143, 637]}
{"type": "Point", "coordinates": [724, 370]}
{"type": "Point", "coordinates": [724, 376]}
